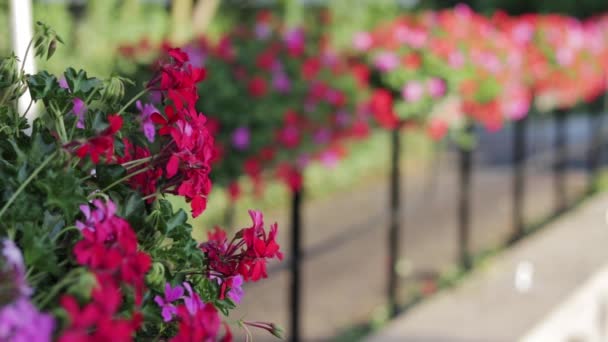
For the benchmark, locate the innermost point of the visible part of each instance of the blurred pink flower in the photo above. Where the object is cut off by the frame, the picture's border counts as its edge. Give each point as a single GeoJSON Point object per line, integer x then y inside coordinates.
{"type": "Point", "coordinates": [412, 91]}
{"type": "Point", "coordinates": [386, 61]}
{"type": "Point", "coordinates": [362, 41]}
{"type": "Point", "coordinates": [436, 87]}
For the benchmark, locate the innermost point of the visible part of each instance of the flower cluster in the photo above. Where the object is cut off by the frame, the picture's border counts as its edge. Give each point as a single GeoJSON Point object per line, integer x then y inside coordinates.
{"type": "Point", "coordinates": [244, 256]}
{"type": "Point", "coordinates": [282, 84]}
{"type": "Point", "coordinates": [484, 69]}
{"type": "Point", "coordinates": [83, 198]}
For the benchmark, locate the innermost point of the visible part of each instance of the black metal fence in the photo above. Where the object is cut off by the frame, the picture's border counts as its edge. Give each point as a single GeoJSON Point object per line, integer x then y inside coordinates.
{"type": "Point", "coordinates": [395, 204]}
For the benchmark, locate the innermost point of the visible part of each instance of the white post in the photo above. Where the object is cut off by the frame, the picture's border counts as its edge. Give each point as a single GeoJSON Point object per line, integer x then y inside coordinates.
{"type": "Point", "coordinates": [21, 34]}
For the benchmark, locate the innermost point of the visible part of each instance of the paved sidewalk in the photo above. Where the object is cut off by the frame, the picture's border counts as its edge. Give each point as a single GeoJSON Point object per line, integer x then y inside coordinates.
{"type": "Point", "coordinates": [488, 307]}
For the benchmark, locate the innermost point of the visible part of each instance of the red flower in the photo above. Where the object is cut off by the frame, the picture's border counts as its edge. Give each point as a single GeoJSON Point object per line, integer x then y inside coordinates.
{"type": "Point", "coordinates": [437, 129]}
{"type": "Point", "coordinates": [290, 175]}
{"type": "Point", "coordinates": [96, 320]}
{"type": "Point", "coordinates": [246, 254]}
{"type": "Point", "coordinates": [110, 250]}
{"type": "Point", "coordinates": [265, 60]}
{"type": "Point", "coordinates": [144, 181]}
{"type": "Point", "coordinates": [188, 147]}
{"type": "Point", "coordinates": [102, 145]}
{"type": "Point", "coordinates": [234, 191]}
{"type": "Point", "coordinates": [382, 108]}
{"type": "Point", "coordinates": [310, 68]}
{"type": "Point", "coordinates": [257, 87]}
{"type": "Point", "coordinates": [201, 325]}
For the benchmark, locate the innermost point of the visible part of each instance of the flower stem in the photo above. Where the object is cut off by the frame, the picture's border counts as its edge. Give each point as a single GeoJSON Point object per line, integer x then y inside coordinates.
{"type": "Point", "coordinates": [140, 94]}
{"type": "Point", "coordinates": [123, 179]}
{"type": "Point", "coordinates": [26, 182]}
{"type": "Point", "coordinates": [27, 52]}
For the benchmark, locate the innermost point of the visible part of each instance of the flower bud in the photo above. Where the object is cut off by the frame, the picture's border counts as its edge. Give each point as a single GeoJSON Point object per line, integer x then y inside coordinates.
{"type": "Point", "coordinates": [9, 71]}
{"type": "Point", "coordinates": [156, 277]}
{"type": "Point", "coordinates": [113, 90]}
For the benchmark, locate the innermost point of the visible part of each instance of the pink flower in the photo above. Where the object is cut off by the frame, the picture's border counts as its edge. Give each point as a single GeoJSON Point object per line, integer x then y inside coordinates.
{"type": "Point", "coordinates": [281, 82]}
{"type": "Point", "coordinates": [362, 41]}
{"type": "Point", "coordinates": [79, 109]}
{"type": "Point", "coordinates": [241, 138]}
{"type": "Point", "coordinates": [412, 91]}
{"type": "Point", "coordinates": [104, 210]}
{"type": "Point", "coordinates": [436, 87]}
{"type": "Point", "coordinates": [13, 265]}
{"type": "Point", "coordinates": [171, 295]}
{"type": "Point", "coordinates": [21, 321]}
{"type": "Point", "coordinates": [386, 61]}
{"type": "Point", "coordinates": [236, 291]}
{"type": "Point", "coordinates": [147, 124]}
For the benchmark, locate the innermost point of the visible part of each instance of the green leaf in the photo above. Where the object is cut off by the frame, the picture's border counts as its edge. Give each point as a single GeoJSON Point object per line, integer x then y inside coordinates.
{"type": "Point", "coordinates": [80, 84]}
{"type": "Point", "coordinates": [177, 220]}
{"type": "Point", "coordinates": [108, 174]}
{"type": "Point", "coordinates": [41, 84]}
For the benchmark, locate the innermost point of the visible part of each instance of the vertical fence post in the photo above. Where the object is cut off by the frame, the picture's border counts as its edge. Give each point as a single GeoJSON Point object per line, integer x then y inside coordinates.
{"type": "Point", "coordinates": [519, 167]}
{"type": "Point", "coordinates": [395, 220]}
{"type": "Point", "coordinates": [595, 148]}
{"type": "Point", "coordinates": [559, 167]}
{"type": "Point", "coordinates": [296, 254]}
{"type": "Point", "coordinates": [464, 201]}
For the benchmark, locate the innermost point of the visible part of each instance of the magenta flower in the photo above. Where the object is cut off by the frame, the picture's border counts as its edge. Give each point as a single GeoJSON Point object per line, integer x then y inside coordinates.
{"type": "Point", "coordinates": [280, 82]}
{"type": "Point", "coordinates": [386, 61]}
{"type": "Point", "coordinates": [79, 109]}
{"type": "Point", "coordinates": [295, 40]}
{"type": "Point", "coordinates": [147, 125]}
{"type": "Point", "coordinates": [329, 158]}
{"type": "Point", "coordinates": [236, 291]}
{"type": "Point", "coordinates": [362, 41]}
{"type": "Point", "coordinates": [241, 137]}
{"type": "Point", "coordinates": [321, 136]}
{"type": "Point", "coordinates": [14, 265]}
{"type": "Point", "coordinates": [21, 321]}
{"type": "Point", "coordinates": [63, 83]}
{"type": "Point", "coordinates": [456, 59]}
{"type": "Point", "coordinates": [412, 91]}
{"type": "Point", "coordinates": [103, 210]}
{"type": "Point", "coordinates": [196, 56]}
{"type": "Point", "coordinates": [343, 118]}
{"type": "Point", "coordinates": [171, 295]}
{"type": "Point", "coordinates": [193, 302]}
{"type": "Point", "coordinates": [436, 87]}
{"type": "Point", "coordinates": [262, 31]}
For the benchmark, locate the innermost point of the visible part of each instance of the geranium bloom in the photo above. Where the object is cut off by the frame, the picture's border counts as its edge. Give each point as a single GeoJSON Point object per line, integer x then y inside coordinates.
{"type": "Point", "coordinates": [79, 108]}
{"type": "Point", "coordinates": [240, 138]}
{"type": "Point", "coordinates": [362, 41]}
{"type": "Point", "coordinates": [386, 61]}
{"type": "Point", "coordinates": [190, 145]}
{"type": "Point", "coordinates": [172, 294]}
{"type": "Point", "coordinates": [13, 269]}
{"type": "Point", "coordinates": [20, 321]}
{"type": "Point", "coordinates": [295, 41]}
{"type": "Point", "coordinates": [103, 210]}
{"type": "Point", "coordinates": [236, 292]}
{"type": "Point", "coordinates": [146, 111]}
{"type": "Point", "coordinates": [281, 82]}
{"type": "Point", "coordinates": [257, 87]}
{"type": "Point", "coordinates": [96, 320]}
{"type": "Point", "coordinates": [246, 255]}
{"type": "Point", "coordinates": [382, 107]}
{"type": "Point", "coordinates": [110, 250]}
{"type": "Point", "coordinates": [412, 91]}
{"type": "Point", "coordinates": [103, 144]}
{"type": "Point", "coordinates": [436, 87]}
